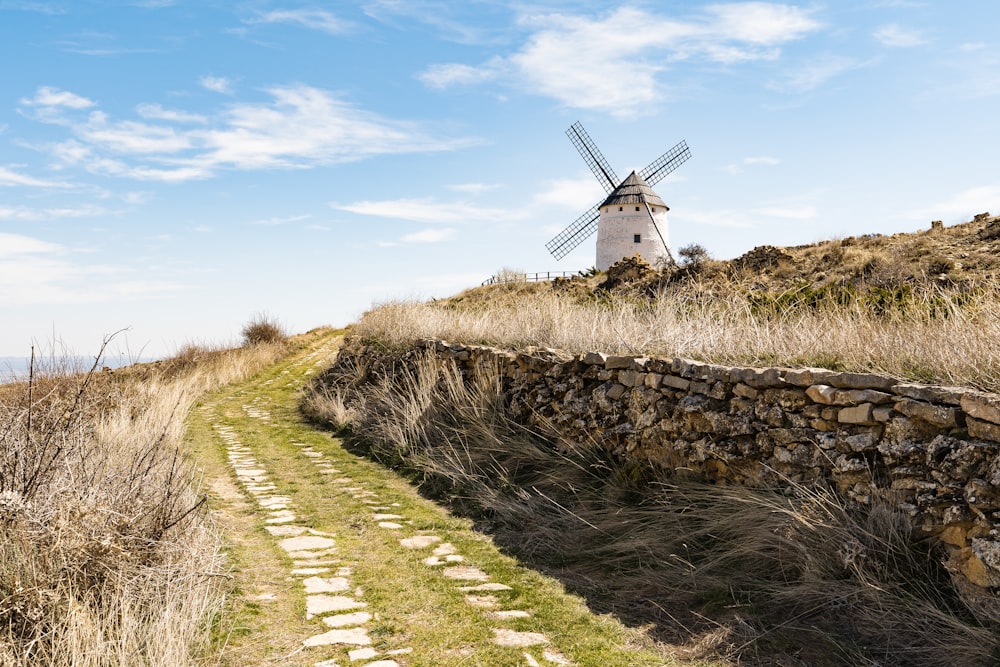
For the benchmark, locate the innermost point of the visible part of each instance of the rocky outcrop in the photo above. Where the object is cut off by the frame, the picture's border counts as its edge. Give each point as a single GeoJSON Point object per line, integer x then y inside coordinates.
{"type": "Point", "coordinates": [934, 451]}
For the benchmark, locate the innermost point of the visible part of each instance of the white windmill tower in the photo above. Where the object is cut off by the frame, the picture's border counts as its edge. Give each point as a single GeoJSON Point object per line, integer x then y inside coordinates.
{"type": "Point", "coordinates": [632, 219]}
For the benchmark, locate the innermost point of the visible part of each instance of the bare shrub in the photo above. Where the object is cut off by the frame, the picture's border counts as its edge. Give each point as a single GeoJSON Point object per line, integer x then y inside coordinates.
{"type": "Point", "coordinates": [262, 329]}
{"type": "Point", "coordinates": [762, 576]}
{"type": "Point", "coordinates": [106, 554]}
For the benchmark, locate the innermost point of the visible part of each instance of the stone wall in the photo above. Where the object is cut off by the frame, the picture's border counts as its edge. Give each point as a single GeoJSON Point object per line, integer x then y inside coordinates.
{"type": "Point", "coordinates": [934, 451]}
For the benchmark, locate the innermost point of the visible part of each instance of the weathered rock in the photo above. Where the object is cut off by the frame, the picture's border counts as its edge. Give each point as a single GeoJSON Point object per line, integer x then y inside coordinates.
{"type": "Point", "coordinates": [859, 414]}
{"type": "Point", "coordinates": [985, 407]}
{"type": "Point", "coordinates": [932, 414]}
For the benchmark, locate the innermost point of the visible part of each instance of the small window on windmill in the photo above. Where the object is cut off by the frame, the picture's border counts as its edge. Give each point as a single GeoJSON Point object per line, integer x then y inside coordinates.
{"type": "Point", "coordinates": [621, 208]}
{"type": "Point", "coordinates": [637, 208]}
{"type": "Point", "coordinates": [637, 238]}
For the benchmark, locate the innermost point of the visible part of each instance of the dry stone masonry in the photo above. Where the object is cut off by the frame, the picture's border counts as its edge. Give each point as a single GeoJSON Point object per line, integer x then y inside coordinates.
{"type": "Point", "coordinates": [934, 451]}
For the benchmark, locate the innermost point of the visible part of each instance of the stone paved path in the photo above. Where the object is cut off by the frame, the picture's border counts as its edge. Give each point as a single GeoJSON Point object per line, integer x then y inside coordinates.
{"type": "Point", "coordinates": [272, 470]}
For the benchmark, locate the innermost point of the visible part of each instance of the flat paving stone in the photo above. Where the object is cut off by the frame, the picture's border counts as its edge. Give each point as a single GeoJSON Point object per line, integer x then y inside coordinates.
{"type": "Point", "coordinates": [352, 636]}
{"type": "Point", "coordinates": [556, 657]}
{"type": "Point", "coordinates": [326, 585]}
{"type": "Point", "coordinates": [389, 525]}
{"type": "Point", "coordinates": [465, 572]}
{"type": "Point", "coordinates": [505, 637]}
{"type": "Point", "coordinates": [485, 587]}
{"type": "Point", "coordinates": [312, 555]}
{"type": "Point", "coordinates": [317, 605]}
{"type": "Point", "coordinates": [285, 531]}
{"type": "Point", "coordinates": [344, 620]}
{"type": "Point", "coordinates": [383, 663]}
{"type": "Point", "coordinates": [512, 613]}
{"type": "Point", "coordinates": [306, 543]}
{"type": "Point", "coordinates": [362, 654]}
{"type": "Point", "coordinates": [483, 601]}
{"type": "Point", "coordinates": [419, 541]}
{"type": "Point", "coordinates": [445, 549]}
{"type": "Point", "coordinates": [386, 517]}
{"type": "Point", "coordinates": [306, 571]}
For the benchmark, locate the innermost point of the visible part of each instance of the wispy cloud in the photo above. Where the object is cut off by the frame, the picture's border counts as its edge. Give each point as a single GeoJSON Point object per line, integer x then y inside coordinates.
{"type": "Point", "coordinates": [217, 84]}
{"type": "Point", "coordinates": [815, 73]}
{"type": "Point", "coordinates": [614, 63]}
{"type": "Point", "coordinates": [429, 210]}
{"type": "Point", "coordinates": [314, 19]}
{"type": "Point", "coordinates": [739, 167]}
{"type": "Point", "coordinates": [433, 235]}
{"type": "Point", "coordinates": [53, 97]}
{"type": "Point", "coordinates": [157, 112]}
{"type": "Point", "coordinates": [27, 213]}
{"type": "Point", "coordinates": [963, 205]}
{"type": "Point", "coordinates": [298, 127]}
{"type": "Point", "coordinates": [274, 222]}
{"type": "Point", "coordinates": [789, 212]}
{"type": "Point", "coordinates": [9, 177]}
{"type": "Point", "coordinates": [475, 188]}
{"type": "Point", "coordinates": [12, 245]}
{"type": "Point", "coordinates": [571, 193]}
{"type": "Point", "coordinates": [895, 36]}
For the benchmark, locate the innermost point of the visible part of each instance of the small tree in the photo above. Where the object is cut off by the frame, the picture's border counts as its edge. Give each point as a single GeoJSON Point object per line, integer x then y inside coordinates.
{"type": "Point", "coordinates": [694, 255]}
{"type": "Point", "coordinates": [262, 329]}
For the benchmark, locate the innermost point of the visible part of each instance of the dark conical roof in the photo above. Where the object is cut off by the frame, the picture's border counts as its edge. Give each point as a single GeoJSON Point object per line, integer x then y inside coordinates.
{"type": "Point", "coordinates": [633, 190]}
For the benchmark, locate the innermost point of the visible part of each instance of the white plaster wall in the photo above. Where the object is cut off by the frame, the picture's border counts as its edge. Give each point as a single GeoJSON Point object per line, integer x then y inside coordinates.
{"type": "Point", "coordinates": [616, 232]}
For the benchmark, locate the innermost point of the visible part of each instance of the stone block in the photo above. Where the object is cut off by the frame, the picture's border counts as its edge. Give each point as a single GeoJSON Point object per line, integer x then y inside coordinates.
{"type": "Point", "coordinates": [805, 377]}
{"type": "Point", "coordinates": [982, 430]}
{"type": "Point", "coordinates": [859, 396]}
{"type": "Point", "coordinates": [618, 363]}
{"type": "Point", "coordinates": [615, 392]}
{"type": "Point", "coordinates": [745, 391]}
{"type": "Point", "coordinates": [631, 378]}
{"type": "Point", "coordinates": [858, 414]}
{"type": "Point", "coordinates": [675, 382]}
{"type": "Point", "coordinates": [982, 406]}
{"type": "Point", "coordinates": [861, 381]}
{"type": "Point", "coordinates": [932, 414]}
{"type": "Point", "coordinates": [931, 394]}
{"type": "Point", "coordinates": [594, 359]}
{"type": "Point", "coordinates": [653, 380]}
{"type": "Point", "coordinates": [765, 378]}
{"type": "Point", "coordinates": [882, 414]}
{"type": "Point", "coordinates": [821, 393]}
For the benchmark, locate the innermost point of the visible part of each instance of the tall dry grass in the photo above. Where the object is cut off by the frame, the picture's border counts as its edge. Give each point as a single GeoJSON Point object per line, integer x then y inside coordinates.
{"type": "Point", "coordinates": [937, 337]}
{"type": "Point", "coordinates": [761, 577]}
{"type": "Point", "coordinates": [106, 554]}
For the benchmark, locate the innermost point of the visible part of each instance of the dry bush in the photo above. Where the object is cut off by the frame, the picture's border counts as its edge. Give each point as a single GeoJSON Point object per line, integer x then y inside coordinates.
{"type": "Point", "coordinates": [263, 329]}
{"type": "Point", "coordinates": [106, 554]}
{"type": "Point", "coordinates": [762, 577]}
{"type": "Point", "coordinates": [938, 337]}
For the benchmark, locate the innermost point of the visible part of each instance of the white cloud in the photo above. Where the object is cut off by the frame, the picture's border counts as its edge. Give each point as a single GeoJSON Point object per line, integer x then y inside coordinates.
{"type": "Point", "coordinates": [299, 127]}
{"type": "Point", "coordinates": [25, 213]}
{"type": "Point", "coordinates": [572, 193]}
{"type": "Point", "coordinates": [814, 74]}
{"type": "Point", "coordinates": [217, 84]}
{"type": "Point", "coordinates": [896, 36]}
{"type": "Point", "coordinates": [962, 206]}
{"type": "Point", "coordinates": [613, 63]}
{"type": "Point", "coordinates": [12, 245]}
{"type": "Point", "coordinates": [53, 97]}
{"type": "Point", "coordinates": [475, 188]}
{"type": "Point", "coordinates": [430, 236]}
{"type": "Point", "coordinates": [738, 167]}
{"type": "Point", "coordinates": [315, 19]}
{"type": "Point", "coordinates": [453, 74]}
{"type": "Point", "coordinates": [156, 112]}
{"type": "Point", "coordinates": [274, 222]}
{"type": "Point", "coordinates": [429, 210]}
{"type": "Point", "coordinates": [9, 177]}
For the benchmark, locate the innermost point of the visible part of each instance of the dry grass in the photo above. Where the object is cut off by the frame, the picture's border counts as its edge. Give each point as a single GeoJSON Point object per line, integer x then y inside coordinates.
{"type": "Point", "coordinates": [106, 557]}
{"type": "Point", "coordinates": [761, 577]}
{"type": "Point", "coordinates": [943, 338]}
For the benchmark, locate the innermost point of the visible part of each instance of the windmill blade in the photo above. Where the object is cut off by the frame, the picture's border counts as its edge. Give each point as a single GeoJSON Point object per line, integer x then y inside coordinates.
{"type": "Point", "coordinates": [565, 241]}
{"type": "Point", "coordinates": [666, 163]}
{"type": "Point", "coordinates": [588, 151]}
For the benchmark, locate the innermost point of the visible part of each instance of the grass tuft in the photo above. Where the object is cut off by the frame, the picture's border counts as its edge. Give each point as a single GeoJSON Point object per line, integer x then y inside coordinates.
{"type": "Point", "coordinates": [262, 329]}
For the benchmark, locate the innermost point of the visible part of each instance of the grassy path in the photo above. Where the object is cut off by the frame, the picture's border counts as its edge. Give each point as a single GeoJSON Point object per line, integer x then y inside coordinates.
{"type": "Point", "coordinates": [338, 561]}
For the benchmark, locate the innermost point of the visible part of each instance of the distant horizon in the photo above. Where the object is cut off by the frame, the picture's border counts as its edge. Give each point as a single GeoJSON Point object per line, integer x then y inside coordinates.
{"type": "Point", "coordinates": [15, 369]}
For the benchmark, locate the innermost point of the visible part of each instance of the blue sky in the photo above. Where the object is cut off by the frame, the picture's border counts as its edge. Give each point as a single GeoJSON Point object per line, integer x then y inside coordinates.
{"type": "Point", "coordinates": [173, 167]}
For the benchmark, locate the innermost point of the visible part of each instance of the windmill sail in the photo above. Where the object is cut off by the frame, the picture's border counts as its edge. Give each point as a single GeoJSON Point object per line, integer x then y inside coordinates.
{"type": "Point", "coordinates": [665, 164]}
{"type": "Point", "coordinates": [569, 238]}
{"type": "Point", "coordinates": [592, 156]}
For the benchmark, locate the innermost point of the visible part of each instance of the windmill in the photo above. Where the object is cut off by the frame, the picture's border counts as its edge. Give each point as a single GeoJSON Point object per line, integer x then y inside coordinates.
{"type": "Point", "coordinates": [632, 219]}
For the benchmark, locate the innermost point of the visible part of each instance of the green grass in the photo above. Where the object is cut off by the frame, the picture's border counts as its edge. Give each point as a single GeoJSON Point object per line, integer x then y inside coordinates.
{"type": "Point", "coordinates": [417, 607]}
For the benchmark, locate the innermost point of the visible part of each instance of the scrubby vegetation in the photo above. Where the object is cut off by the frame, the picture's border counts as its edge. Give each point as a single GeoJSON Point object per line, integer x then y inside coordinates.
{"type": "Point", "coordinates": [861, 304]}
{"type": "Point", "coordinates": [263, 329]}
{"type": "Point", "coordinates": [106, 554]}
